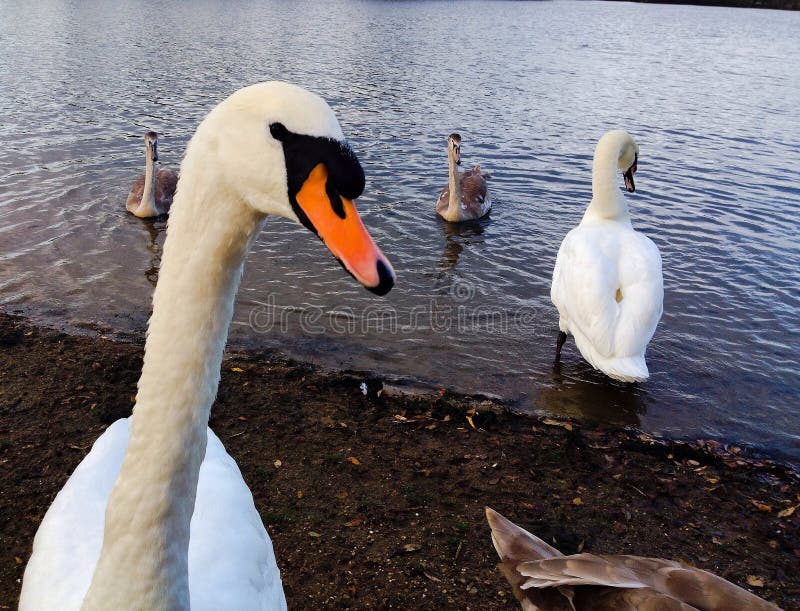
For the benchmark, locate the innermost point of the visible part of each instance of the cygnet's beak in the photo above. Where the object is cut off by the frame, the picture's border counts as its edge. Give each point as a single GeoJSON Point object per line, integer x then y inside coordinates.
{"type": "Point", "coordinates": [335, 220]}
{"type": "Point", "coordinates": [628, 176]}
{"type": "Point", "coordinates": [155, 152]}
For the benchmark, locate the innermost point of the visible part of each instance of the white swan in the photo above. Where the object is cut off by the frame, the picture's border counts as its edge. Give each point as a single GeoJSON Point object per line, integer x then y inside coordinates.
{"type": "Point", "coordinates": [607, 282]}
{"type": "Point", "coordinates": [466, 196]}
{"type": "Point", "coordinates": [543, 578]}
{"type": "Point", "coordinates": [152, 193]}
{"type": "Point", "coordinates": [271, 148]}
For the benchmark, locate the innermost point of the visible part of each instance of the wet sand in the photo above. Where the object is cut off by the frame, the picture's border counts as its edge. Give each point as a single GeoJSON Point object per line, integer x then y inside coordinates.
{"type": "Point", "coordinates": [377, 500]}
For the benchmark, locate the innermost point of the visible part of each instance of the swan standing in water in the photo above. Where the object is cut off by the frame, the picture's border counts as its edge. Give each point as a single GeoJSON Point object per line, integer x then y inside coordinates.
{"type": "Point", "coordinates": [152, 193]}
{"type": "Point", "coordinates": [543, 578]}
{"type": "Point", "coordinates": [465, 198]}
{"type": "Point", "coordinates": [179, 518]}
{"type": "Point", "coordinates": [607, 282]}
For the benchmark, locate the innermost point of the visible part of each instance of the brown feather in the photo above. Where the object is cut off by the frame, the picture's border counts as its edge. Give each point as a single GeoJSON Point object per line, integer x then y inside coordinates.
{"type": "Point", "coordinates": [647, 584]}
{"type": "Point", "coordinates": [475, 200]}
{"type": "Point", "coordinates": [616, 599]}
{"type": "Point", "coordinates": [166, 183]}
{"type": "Point", "coordinates": [135, 195]}
{"type": "Point", "coordinates": [474, 195]}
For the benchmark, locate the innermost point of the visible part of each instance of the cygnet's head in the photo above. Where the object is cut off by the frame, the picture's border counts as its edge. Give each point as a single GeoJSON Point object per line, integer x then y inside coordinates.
{"type": "Point", "coordinates": [280, 149]}
{"type": "Point", "coordinates": [151, 145]}
{"type": "Point", "coordinates": [454, 147]}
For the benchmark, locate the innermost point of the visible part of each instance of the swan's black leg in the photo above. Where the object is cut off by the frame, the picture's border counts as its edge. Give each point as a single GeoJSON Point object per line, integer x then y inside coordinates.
{"type": "Point", "coordinates": [562, 337]}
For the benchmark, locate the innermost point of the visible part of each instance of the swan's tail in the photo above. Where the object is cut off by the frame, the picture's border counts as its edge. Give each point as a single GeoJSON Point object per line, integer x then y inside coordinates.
{"type": "Point", "coordinates": [625, 369]}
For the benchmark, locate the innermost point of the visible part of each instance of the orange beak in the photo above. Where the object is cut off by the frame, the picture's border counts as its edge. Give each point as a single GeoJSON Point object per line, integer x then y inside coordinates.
{"type": "Point", "coordinates": [336, 222]}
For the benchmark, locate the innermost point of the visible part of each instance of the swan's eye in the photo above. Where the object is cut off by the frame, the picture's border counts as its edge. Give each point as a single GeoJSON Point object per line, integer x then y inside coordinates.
{"type": "Point", "coordinates": [278, 131]}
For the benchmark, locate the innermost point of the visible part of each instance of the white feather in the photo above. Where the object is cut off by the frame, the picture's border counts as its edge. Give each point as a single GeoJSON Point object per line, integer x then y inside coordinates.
{"type": "Point", "coordinates": [231, 561]}
{"type": "Point", "coordinates": [607, 281]}
{"type": "Point", "coordinates": [157, 516]}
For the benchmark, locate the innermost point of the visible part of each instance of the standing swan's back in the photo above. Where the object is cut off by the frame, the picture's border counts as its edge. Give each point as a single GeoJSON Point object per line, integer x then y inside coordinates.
{"type": "Point", "coordinates": [152, 193]}
{"type": "Point", "coordinates": [172, 526]}
{"type": "Point", "coordinates": [607, 282]}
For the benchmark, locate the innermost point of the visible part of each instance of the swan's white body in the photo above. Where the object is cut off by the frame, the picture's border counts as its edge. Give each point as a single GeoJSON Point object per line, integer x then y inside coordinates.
{"type": "Point", "coordinates": [607, 281]}
{"type": "Point", "coordinates": [231, 562]}
{"type": "Point", "coordinates": [118, 535]}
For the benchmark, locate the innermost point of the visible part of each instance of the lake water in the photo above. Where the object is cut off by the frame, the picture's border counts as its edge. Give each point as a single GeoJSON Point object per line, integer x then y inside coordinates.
{"type": "Point", "coordinates": [710, 94]}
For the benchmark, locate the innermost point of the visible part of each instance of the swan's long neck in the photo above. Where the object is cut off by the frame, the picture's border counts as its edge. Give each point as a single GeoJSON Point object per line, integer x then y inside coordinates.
{"type": "Point", "coordinates": [147, 207]}
{"type": "Point", "coordinates": [144, 559]}
{"type": "Point", "coordinates": [607, 202]}
{"type": "Point", "coordinates": [454, 206]}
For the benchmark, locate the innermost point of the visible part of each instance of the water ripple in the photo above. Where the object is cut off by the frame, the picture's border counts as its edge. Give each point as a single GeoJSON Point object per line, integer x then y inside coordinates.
{"type": "Point", "coordinates": [718, 186]}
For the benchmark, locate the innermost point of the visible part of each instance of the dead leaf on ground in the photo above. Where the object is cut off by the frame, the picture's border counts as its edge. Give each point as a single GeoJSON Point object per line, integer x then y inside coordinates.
{"type": "Point", "coordinates": [756, 582]}
{"type": "Point", "coordinates": [410, 547]}
{"type": "Point", "coordinates": [316, 535]}
{"type": "Point", "coordinates": [277, 463]}
{"type": "Point", "coordinates": [431, 577]}
{"type": "Point", "coordinates": [354, 522]}
{"type": "Point", "coordinates": [761, 506]}
{"type": "Point", "coordinates": [787, 512]}
{"type": "Point", "coordinates": [577, 501]}
{"type": "Point", "coordinates": [471, 413]}
{"type": "Point", "coordinates": [563, 425]}
{"type": "Point", "coordinates": [237, 369]}
{"type": "Point", "coordinates": [354, 460]}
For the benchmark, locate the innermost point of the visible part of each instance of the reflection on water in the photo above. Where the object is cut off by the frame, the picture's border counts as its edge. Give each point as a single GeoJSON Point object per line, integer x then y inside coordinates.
{"type": "Point", "coordinates": [154, 229]}
{"type": "Point", "coordinates": [717, 188]}
{"type": "Point", "coordinates": [567, 394]}
{"type": "Point", "coordinates": [457, 237]}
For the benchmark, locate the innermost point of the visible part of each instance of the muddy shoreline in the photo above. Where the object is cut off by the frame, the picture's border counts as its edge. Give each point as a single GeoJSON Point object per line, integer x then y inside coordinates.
{"type": "Point", "coordinates": [375, 500]}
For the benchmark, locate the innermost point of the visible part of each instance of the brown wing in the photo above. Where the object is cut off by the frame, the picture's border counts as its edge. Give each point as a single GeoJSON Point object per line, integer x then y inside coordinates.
{"type": "Point", "coordinates": [516, 545]}
{"type": "Point", "coordinates": [618, 582]}
{"type": "Point", "coordinates": [166, 182]}
{"type": "Point", "coordinates": [135, 195]}
{"type": "Point", "coordinates": [474, 193]}
{"type": "Point", "coordinates": [616, 599]}
{"type": "Point", "coordinates": [444, 200]}
{"type": "Point", "coordinates": [692, 586]}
